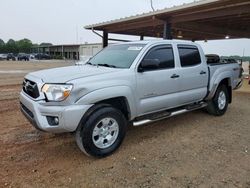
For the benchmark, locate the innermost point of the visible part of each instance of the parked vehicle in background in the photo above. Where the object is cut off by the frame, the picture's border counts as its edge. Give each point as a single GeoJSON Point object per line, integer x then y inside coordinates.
{"type": "Point", "coordinates": [42, 56]}
{"type": "Point", "coordinates": [23, 56]}
{"type": "Point", "coordinates": [11, 56]}
{"type": "Point", "coordinates": [129, 83]}
{"type": "Point", "coordinates": [3, 56]}
{"type": "Point", "coordinates": [32, 56]}
{"type": "Point", "coordinates": [229, 60]}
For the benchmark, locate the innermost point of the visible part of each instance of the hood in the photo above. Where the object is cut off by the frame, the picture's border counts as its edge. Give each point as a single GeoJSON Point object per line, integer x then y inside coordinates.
{"type": "Point", "coordinates": [66, 74]}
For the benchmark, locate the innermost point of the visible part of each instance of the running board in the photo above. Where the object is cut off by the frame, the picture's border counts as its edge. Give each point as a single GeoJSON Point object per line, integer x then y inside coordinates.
{"type": "Point", "coordinates": [170, 114]}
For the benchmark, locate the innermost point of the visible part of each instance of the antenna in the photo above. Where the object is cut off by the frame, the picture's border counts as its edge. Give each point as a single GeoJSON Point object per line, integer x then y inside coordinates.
{"type": "Point", "coordinates": [151, 2]}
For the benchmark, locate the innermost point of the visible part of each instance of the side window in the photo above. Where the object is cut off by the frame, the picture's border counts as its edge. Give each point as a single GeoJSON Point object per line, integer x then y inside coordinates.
{"type": "Point", "coordinates": [189, 55]}
{"type": "Point", "coordinates": [162, 55]}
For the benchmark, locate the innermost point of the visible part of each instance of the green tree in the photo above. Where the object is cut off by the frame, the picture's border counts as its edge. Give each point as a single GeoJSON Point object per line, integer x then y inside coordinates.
{"type": "Point", "coordinates": [11, 47]}
{"type": "Point", "coordinates": [2, 45]}
{"type": "Point", "coordinates": [24, 45]}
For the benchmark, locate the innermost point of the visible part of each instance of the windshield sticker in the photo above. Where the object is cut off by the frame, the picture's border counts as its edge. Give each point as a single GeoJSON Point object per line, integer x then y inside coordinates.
{"type": "Point", "coordinates": [136, 48]}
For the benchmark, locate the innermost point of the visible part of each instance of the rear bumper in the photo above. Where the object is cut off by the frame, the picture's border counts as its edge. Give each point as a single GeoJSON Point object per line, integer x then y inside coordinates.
{"type": "Point", "coordinates": [36, 112]}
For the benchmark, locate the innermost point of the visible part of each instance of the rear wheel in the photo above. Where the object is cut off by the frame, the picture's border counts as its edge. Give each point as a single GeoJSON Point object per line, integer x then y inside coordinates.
{"type": "Point", "coordinates": [218, 105]}
{"type": "Point", "coordinates": [102, 133]}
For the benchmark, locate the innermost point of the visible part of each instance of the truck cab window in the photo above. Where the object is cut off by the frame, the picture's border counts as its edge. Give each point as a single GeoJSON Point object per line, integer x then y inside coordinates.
{"type": "Point", "coordinates": [163, 55]}
{"type": "Point", "coordinates": [189, 55]}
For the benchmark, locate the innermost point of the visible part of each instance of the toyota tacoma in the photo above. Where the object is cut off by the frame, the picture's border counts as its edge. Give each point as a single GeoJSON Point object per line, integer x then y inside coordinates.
{"type": "Point", "coordinates": [125, 84]}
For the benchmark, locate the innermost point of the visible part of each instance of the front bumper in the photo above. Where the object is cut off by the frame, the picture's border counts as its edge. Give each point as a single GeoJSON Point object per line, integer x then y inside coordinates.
{"type": "Point", "coordinates": [37, 112]}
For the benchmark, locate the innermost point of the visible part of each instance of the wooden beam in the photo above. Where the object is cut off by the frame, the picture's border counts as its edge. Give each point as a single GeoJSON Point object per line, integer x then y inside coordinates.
{"type": "Point", "coordinates": [220, 12]}
{"type": "Point", "coordinates": [134, 25]}
{"type": "Point", "coordinates": [212, 30]}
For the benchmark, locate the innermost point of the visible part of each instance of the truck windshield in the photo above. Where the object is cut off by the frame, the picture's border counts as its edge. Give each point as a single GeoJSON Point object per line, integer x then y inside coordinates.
{"type": "Point", "coordinates": [117, 56]}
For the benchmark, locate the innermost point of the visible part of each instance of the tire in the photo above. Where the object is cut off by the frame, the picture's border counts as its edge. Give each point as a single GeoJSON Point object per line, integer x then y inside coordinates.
{"type": "Point", "coordinates": [218, 105]}
{"type": "Point", "coordinates": [102, 133]}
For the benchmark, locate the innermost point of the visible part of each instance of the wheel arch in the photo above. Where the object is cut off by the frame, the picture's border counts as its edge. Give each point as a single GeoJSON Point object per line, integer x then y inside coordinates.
{"type": "Point", "coordinates": [225, 81]}
{"type": "Point", "coordinates": [120, 97]}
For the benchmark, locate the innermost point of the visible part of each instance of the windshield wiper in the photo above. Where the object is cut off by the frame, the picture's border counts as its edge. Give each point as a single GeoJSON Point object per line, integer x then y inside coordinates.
{"type": "Point", "coordinates": [89, 63]}
{"type": "Point", "coordinates": [107, 65]}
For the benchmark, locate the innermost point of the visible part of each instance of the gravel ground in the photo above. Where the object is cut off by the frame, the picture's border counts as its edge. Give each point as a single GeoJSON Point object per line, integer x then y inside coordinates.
{"type": "Point", "coordinates": [190, 150]}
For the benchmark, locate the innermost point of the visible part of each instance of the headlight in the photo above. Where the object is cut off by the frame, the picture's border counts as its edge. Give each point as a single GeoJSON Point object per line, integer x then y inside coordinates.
{"type": "Point", "coordinates": [57, 92]}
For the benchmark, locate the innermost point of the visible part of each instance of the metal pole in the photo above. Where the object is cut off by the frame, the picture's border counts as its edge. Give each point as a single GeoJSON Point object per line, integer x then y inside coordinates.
{"type": "Point", "coordinates": [62, 52]}
{"type": "Point", "coordinates": [151, 3]}
{"type": "Point", "coordinates": [249, 73]}
{"type": "Point", "coordinates": [105, 39]}
{"type": "Point", "coordinates": [167, 31]}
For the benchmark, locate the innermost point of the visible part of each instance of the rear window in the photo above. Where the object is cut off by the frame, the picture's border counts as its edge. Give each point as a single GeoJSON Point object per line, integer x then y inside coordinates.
{"type": "Point", "coordinates": [189, 55]}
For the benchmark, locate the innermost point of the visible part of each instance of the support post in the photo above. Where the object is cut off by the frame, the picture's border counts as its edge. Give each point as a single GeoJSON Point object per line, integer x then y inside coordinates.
{"type": "Point", "coordinates": [105, 39]}
{"type": "Point", "coordinates": [141, 37]}
{"type": "Point", "coordinates": [62, 52]}
{"type": "Point", "coordinates": [249, 73]}
{"type": "Point", "coordinates": [167, 31]}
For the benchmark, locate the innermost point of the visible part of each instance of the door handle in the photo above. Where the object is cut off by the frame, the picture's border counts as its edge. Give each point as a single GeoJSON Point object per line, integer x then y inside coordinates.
{"type": "Point", "coordinates": [235, 69]}
{"type": "Point", "coordinates": [203, 72]}
{"type": "Point", "coordinates": [175, 76]}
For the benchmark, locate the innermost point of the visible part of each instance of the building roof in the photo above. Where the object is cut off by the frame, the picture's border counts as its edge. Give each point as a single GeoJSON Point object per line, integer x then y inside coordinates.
{"type": "Point", "coordinates": [200, 20]}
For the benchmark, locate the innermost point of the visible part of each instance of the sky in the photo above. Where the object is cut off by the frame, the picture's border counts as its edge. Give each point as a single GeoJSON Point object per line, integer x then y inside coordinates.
{"type": "Point", "coordinates": [63, 21]}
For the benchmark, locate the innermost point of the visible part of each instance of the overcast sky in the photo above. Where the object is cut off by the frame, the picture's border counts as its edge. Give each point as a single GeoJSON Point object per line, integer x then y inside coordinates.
{"type": "Point", "coordinates": [61, 21]}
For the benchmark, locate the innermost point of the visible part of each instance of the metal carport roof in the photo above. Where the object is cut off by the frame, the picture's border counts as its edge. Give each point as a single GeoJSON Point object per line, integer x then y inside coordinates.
{"type": "Point", "coordinates": [201, 20]}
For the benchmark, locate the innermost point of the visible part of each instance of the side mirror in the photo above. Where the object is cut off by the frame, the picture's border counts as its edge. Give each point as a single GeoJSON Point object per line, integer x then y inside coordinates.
{"type": "Point", "coordinates": [148, 64]}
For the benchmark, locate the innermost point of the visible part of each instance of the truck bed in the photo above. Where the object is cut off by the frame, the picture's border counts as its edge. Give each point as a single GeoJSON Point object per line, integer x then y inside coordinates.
{"type": "Point", "coordinates": [215, 70]}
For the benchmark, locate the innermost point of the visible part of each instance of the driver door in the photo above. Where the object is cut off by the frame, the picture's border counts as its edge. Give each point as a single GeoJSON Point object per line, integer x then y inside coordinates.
{"type": "Point", "coordinates": [157, 87]}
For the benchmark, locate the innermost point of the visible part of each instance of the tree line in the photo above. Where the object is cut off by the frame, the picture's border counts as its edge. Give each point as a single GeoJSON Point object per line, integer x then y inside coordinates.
{"type": "Point", "coordinates": [20, 46]}
{"type": "Point", "coordinates": [26, 45]}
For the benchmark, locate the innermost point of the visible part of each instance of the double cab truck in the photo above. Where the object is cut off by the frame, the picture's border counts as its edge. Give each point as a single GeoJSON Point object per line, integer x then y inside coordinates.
{"type": "Point", "coordinates": [131, 83]}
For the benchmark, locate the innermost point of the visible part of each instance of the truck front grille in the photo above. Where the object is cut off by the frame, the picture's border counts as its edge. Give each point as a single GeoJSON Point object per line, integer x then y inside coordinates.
{"type": "Point", "coordinates": [30, 88]}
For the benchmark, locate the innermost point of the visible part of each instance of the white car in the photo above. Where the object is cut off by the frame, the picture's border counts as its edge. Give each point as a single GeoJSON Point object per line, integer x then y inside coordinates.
{"type": "Point", "coordinates": [3, 56]}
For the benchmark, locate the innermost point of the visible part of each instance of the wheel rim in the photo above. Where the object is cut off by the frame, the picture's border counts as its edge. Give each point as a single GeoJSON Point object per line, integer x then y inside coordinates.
{"type": "Point", "coordinates": [221, 100]}
{"type": "Point", "coordinates": [105, 133]}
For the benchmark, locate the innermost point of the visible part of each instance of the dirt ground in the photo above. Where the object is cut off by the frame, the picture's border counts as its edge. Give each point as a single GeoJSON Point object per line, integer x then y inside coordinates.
{"type": "Point", "coordinates": [190, 150]}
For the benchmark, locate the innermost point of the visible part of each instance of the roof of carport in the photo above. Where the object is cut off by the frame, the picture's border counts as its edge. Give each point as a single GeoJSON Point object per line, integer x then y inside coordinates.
{"type": "Point", "coordinates": [201, 20]}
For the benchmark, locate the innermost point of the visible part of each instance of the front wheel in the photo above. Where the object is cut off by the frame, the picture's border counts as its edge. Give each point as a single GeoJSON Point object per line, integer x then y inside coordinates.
{"type": "Point", "coordinates": [102, 133]}
{"type": "Point", "coordinates": [218, 105]}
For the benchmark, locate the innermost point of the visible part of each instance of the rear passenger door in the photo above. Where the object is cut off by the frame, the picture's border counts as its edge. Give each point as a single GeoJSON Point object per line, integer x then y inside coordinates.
{"type": "Point", "coordinates": [193, 74]}
{"type": "Point", "coordinates": [156, 87]}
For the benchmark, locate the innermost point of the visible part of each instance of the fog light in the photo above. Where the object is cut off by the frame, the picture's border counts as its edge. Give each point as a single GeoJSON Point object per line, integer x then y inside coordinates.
{"type": "Point", "coordinates": [53, 121]}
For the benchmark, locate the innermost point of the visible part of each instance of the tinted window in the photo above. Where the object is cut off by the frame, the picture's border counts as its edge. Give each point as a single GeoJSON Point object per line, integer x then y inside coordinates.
{"type": "Point", "coordinates": [164, 55]}
{"type": "Point", "coordinates": [189, 56]}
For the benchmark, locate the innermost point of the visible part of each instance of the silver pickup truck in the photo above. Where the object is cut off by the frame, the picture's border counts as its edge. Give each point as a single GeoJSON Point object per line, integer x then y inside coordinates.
{"type": "Point", "coordinates": [129, 83]}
